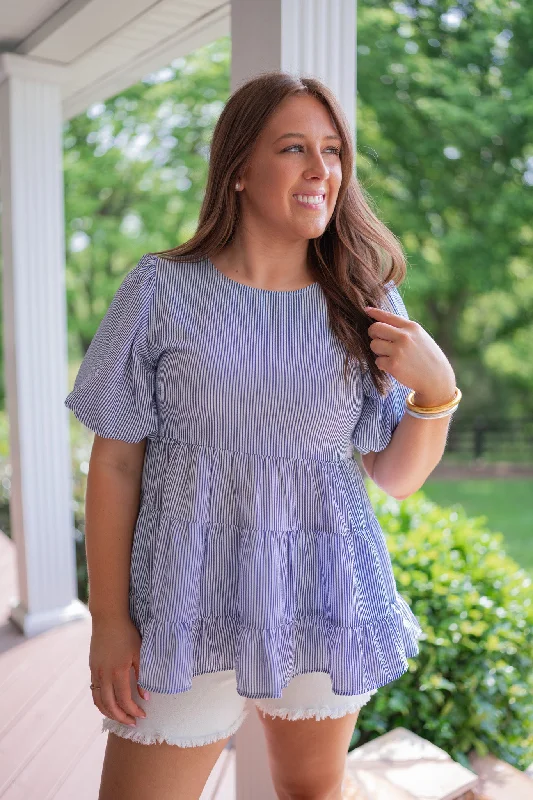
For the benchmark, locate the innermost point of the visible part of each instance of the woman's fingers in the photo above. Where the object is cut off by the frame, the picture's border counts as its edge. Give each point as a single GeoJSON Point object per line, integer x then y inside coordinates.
{"type": "Point", "coordinates": [115, 648]}
{"type": "Point", "coordinates": [122, 687]}
{"type": "Point", "coordinates": [383, 330]}
{"type": "Point", "coordinates": [101, 698]}
{"type": "Point", "coordinates": [387, 316]}
{"type": "Point", "coordinates": [382, 347]}
{"type": "Point", "coordinates": [111, 708]}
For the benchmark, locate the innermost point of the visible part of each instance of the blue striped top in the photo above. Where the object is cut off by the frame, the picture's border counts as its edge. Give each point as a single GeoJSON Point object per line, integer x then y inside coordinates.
{"type": "Point", "coordinates": [256, 547]}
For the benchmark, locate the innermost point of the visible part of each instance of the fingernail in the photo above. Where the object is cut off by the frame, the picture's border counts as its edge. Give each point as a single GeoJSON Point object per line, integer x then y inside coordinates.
{"type": "Point", "coordinates": [131, 724]}
{"type": "Point", "coordinates": [146, 695]}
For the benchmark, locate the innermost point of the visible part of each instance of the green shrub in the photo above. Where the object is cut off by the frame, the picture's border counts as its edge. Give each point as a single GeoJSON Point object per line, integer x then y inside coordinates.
{"type": "Point", "coordinates": [471, 686]}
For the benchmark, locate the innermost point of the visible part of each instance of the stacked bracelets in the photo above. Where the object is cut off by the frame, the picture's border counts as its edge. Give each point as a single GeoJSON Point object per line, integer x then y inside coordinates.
{"type": "Point", "coordinates": [432, 413]}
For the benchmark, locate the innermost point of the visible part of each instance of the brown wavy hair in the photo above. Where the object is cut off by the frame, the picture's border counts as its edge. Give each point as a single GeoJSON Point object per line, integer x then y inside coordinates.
{"type": "Point", "coordinates": [355, 256]}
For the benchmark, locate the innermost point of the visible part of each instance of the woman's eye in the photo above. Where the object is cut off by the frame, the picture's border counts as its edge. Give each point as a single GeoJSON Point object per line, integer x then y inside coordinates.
{"type": "Point", "coordinates": [336, 150]}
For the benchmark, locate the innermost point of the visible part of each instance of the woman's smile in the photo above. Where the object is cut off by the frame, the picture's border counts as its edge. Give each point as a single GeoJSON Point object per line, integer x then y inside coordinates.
{"type": "Point", "coordinates": [310, 201]}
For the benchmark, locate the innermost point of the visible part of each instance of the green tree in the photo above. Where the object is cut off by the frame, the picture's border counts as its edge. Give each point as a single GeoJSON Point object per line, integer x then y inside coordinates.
{"type": "Point", "coordinates": [444, 122]}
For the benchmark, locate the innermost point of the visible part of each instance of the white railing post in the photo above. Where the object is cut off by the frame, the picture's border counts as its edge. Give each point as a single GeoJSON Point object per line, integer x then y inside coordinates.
{"type": "Point", "coordinates": [35, 342]}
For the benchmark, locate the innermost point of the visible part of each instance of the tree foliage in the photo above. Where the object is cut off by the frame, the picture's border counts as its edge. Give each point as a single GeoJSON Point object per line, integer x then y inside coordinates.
{"type": "Point", "coordinates": [444, 121]}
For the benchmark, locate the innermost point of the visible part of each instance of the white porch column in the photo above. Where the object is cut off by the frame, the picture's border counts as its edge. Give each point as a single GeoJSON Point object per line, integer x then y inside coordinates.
{"type": "Point", "coordinates": [35, 345]}
{"type": "Point", "coordinates": [306, 37]}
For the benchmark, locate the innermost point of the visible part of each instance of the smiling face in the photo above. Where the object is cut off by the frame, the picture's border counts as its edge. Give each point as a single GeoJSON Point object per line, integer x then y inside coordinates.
{"type": "Point", "coordinates": [292, 180]}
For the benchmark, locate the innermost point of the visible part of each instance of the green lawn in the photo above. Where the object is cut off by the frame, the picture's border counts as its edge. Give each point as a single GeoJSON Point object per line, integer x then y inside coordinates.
{"type": "Point", "coordinates": [507, 503]}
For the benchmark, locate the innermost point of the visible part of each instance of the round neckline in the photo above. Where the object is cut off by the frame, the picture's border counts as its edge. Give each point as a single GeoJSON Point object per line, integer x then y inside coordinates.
{"type": "Point", "coordinates": [246, 287]}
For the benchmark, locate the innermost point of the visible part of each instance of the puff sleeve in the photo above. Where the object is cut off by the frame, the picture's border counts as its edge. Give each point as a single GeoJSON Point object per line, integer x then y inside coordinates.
{"type": "Point", "coordinates": [380, 415]}
{"type": "Point", "coordinates": [114, 390]}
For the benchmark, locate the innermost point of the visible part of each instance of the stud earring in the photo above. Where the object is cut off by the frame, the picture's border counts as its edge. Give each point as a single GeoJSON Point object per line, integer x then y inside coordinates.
{"type": "Point", "coordinates": [238, 185]}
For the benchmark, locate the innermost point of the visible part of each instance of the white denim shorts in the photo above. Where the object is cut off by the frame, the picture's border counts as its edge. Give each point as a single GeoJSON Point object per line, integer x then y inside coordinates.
{"type": "Point", "coordinates": [212, 709]}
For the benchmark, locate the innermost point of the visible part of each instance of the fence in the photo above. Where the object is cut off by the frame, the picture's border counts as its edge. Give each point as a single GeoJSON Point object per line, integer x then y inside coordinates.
{"type": "Point", "coordinates": [491, 439]}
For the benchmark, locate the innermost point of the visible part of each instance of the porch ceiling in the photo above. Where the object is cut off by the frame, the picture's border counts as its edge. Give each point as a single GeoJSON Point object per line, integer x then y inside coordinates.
{"type": "Point", "coordinates": [105, 46]}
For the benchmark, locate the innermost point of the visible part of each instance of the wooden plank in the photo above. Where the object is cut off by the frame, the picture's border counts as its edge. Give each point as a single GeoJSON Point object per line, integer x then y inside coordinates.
{"type": "Point", "coordinates": [31, 730]}
{"type": "Point", "coordinates": [500, 780]}
{"type": "Point", "coordinates": [83, 782]}
{"type": "Point", "coordinates": [60, 753]}
{"type": "Point", "coordinates": [31, 668]}
{"type": "Point", "coordinates": [400, 764]}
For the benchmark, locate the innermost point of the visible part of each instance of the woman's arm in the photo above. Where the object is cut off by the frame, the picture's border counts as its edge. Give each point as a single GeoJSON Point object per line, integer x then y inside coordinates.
{"type": "Point", "coordinates": [407, 352]}
{"type": "Point", "coordinates": [111, 509]}
{"type": "Point", "coordinates": [415, 449]}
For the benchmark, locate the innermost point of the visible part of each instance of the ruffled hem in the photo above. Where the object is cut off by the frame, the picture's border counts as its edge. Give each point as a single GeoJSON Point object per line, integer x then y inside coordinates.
{"type": "Point", "coordinates": [267, 566]}
{"type": "Point", "coordinates": [265, 660]}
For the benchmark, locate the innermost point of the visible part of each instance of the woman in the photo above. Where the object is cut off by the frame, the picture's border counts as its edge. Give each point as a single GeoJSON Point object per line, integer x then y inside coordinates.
{"type": "Point", "coordinates": [238, 555]}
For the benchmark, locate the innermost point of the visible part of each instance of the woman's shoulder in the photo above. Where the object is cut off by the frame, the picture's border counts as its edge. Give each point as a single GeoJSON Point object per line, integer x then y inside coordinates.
{"type": "Point", "coordinates": [172, 273]}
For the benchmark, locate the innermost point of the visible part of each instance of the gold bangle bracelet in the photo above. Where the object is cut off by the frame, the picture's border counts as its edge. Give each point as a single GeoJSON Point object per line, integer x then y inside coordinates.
{"type": "Point", "coordinates": [434, 409]}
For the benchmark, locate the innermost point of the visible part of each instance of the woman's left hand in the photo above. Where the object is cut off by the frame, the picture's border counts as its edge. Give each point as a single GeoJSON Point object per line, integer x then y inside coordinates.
{"type": "Point", "coordinates": [407, 352]}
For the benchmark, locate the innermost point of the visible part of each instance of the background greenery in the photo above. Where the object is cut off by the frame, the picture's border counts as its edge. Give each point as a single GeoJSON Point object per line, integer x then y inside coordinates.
{"type": "Point", "coordinates": [444, 129]}
{"type": "Point", "coordinates": [506, 504]}
{"type": "Point", "coordinates": [471, 686]}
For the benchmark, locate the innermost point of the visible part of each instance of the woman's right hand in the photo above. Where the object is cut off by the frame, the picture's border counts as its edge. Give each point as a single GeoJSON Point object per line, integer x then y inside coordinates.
{"type": "Point", "coordinates": [115, 648]}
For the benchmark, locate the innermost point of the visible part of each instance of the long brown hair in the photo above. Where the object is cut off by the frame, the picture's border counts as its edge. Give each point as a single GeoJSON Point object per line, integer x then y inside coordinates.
{"type": "Point", "coordinates": [349, 259]}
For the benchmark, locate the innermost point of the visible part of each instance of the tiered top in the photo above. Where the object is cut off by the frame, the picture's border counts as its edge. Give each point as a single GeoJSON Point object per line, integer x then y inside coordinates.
{"type": "Point", "coordinates": [256, 547]}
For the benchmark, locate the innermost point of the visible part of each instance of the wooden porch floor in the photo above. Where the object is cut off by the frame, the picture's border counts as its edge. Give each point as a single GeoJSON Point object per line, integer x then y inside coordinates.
{"type": "Point", "coordinates": [51, 746]}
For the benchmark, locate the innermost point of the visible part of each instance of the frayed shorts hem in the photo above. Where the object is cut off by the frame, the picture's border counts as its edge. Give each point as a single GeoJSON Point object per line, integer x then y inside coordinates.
{"type": "Point", "coordinates": [212, 709]}
{"type": "Point", "coordinates": [316, 713]}
{"type": "Point", "coordinates": [130, 732]}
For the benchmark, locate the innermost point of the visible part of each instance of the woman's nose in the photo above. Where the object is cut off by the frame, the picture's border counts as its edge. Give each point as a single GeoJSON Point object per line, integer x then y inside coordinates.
{"type": "Point", "coordinates": [318, 169]}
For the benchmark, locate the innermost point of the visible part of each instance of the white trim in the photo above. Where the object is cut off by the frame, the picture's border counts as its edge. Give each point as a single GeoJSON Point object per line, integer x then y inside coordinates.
{"type": "Point", "coordinates": [202, 31]}
{"type": "Point", "coordinates": [13, 65]}
{"type": "Point", "coordinates": [35, 349]}
{"type": "Point", "coordinates": [38, 622]}
{"type": "Point", "coordinates": [52, 24]}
